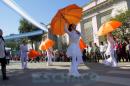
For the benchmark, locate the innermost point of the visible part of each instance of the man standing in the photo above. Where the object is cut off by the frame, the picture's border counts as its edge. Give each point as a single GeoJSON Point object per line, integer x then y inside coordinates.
{"type": "Point", "coordinates": [102, 50]}
{"type": "Point", "coordinates": [96, 52]}
{"type": "Point", "coordinates": [3, 56]}
{"type": "Point", "coordinates": [23, 54]}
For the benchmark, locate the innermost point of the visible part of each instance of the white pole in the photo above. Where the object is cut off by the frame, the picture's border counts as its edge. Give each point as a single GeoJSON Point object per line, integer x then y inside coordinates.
{"type": "Point", "coordinates": [19, 10]}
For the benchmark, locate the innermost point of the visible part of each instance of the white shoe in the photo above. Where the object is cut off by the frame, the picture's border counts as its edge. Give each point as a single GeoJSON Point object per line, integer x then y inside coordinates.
{"type": "Point", "coordinates": [106, 63]}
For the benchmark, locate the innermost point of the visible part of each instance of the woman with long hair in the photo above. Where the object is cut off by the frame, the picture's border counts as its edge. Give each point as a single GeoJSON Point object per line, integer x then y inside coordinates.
{"type": "Point", "coordinates": [73, 50]}
{"type": "Point", "coordinates": [111, 61]}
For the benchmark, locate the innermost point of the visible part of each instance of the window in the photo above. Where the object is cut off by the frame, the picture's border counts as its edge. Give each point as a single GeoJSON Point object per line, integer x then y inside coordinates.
{"type": "Point", "coordinates": [104, 17]}
{"type": "Point", "coordinates": [88, 31]}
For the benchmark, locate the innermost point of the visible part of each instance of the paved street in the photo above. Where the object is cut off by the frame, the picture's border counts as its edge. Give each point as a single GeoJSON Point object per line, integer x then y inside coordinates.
{"type": "Point", "coordinates": [94, 74]}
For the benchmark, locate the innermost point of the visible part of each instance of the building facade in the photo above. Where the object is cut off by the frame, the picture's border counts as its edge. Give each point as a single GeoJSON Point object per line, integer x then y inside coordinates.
{"type": "Point", "coordinates": [98, 12]}
{"type": "Point", "coordinates": [60, 41]}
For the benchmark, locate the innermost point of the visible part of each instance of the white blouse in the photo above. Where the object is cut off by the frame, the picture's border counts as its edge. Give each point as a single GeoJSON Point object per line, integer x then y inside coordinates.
{"type": "Point", "coordinates": [73, 36]}
{"type": "Point", "coordinates": [110, 48]}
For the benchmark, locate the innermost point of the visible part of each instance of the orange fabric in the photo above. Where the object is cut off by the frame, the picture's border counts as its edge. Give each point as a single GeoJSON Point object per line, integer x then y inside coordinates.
{"type": "Point", "coordinates": [33, 54]}
{"type": "Point", "coordinates": [108, 27]}
{"type": "Point", "coordinates": [46, 44]}
{"type": "Point", "coordinates": [70, 14]}
{"type": "Point", "coordinates": [42, 46]}
{"type": "Point", "coordinates": [82, 44]}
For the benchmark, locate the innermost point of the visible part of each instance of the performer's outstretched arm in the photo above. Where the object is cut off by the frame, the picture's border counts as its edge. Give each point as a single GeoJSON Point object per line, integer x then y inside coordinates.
{"type": "Point", "coordinates": [66, 29]}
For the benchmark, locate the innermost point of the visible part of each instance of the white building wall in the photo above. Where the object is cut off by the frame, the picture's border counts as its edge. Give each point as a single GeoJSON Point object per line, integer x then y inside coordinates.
{"type": "Point", "coordinates": [115, 8]}
{"type": "Point", "coordinates": [95, 29]}
{"type": "Point", "coordinates": [119, 7]}
{"type": "Point", "coordinates": [94, 3]}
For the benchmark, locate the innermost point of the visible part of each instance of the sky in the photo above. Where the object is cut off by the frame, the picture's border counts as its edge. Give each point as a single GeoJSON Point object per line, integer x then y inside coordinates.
{"type": "Point", "coordinates": [40, 10]}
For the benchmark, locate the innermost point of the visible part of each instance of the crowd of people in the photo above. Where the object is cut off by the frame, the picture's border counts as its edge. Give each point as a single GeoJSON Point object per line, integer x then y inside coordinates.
{"type": "Point", "coordinates": [95, 52]}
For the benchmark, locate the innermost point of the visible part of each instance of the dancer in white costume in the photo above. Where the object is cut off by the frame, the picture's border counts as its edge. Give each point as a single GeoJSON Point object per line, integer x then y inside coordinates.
{"type": "Point", "coordinates": [73, 50]}
{"type": "Point", "coordinates": [49, 56]}
{"type": "Point", "coordinates": [111, 61]}
{"type": "Point", "coordinates": [23, 55]}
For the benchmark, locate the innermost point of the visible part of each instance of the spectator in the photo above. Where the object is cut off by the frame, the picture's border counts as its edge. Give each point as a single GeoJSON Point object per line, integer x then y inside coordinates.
{"type": "Point", "coordinates": [128, 51]}
{"type": "Point", "coordinates": [3, 56]}
{"type": "Point", "coordinates": [102, 50]}
{"type": "Point", "coordinates": [89, 51]}
{"type": "Point", "coordinates": [96, 53]}
{"type": "Point", "coordinates": [7, 57]}
{"type": "Point", "coordinates": [84, 55]}
{"type": "Point", "coordinates": [23, 54]}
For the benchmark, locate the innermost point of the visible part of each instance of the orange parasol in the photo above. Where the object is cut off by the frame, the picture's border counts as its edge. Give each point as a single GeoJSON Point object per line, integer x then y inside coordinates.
{"type": "Point", "coordinates": [46, 44]}
{"type": "Point", "coordinates": [33, 54]}
{"type": "Point", "coordinates": [108, 27]}
{"type": "Point", "coordinates": [42, 47]}
{"type": "Point", "coordinates": [70, 15]}
{"type": "Point", "coordinates": [82, 44]}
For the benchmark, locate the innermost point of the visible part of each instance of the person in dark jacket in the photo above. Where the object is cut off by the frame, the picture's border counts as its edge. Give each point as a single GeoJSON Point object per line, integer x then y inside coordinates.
{"type": "Point", "coordinates": [3, 56]}
{"type": "Point", "coordinates": [84, 56]}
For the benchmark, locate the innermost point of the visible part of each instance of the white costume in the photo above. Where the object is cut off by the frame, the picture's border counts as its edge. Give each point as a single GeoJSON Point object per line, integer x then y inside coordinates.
{"type": "Point", "coordinates": [49, 56]}
{"type": "Point", "coordinates": [23, 55]}
{"type": "Point", "coordinates": [110, 51]}
{"type": "Point", "coordinates": [74, 52]}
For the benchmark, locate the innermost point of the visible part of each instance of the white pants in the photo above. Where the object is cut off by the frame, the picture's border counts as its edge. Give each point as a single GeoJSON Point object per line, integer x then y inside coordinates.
{"type": "Point", "coordinates": [111, 61]}
{"type": "Point", "coordinates": [49, 60]}
{"type": "Point", "coordinates": [74, 67]}
{"type": "Point", "coordinates": [24, 63]}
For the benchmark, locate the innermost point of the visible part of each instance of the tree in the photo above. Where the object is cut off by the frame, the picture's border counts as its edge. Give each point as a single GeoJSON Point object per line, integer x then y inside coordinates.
{"type": "Point", "coordinates": [25, 26]}
{"type": "Point", "coordinates": [123, 17]}
{"type": "Point", "coordinates": [11, 44]}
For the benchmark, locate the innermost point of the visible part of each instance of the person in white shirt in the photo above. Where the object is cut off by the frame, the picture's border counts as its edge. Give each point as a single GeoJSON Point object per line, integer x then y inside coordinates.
{"type": "Point", "coordinates": [105, 48]}
{"type": "Point", "coordinates": [23, 55]}
{"type": "Point", "coordinates": [89, 50]}
{"type": "Point", "coordinates": [102, 50]}
{"type": "Point", "coordinates": [50, 55]}
{"type": "Point", "coordinates": [128, 51]}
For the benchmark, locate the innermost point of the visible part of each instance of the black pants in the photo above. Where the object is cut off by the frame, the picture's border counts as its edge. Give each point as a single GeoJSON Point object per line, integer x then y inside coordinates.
{"type": "Point", "coordinates": [95, 57]}
{"type": "Point", "coordinates": [3, 67]}
{"type": "Point", "coordinates": [102, 55]}
{"type": "Point", "coordinates": [128, 56]}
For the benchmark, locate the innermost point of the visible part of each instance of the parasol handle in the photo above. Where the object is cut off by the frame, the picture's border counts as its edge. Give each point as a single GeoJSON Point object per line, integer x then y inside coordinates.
{"type": "Point", "coordinates": [64, 18]}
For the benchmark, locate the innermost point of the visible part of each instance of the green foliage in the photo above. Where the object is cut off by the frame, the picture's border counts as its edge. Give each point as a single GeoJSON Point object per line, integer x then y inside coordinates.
{"type": "Point", "coordinates": [123, 17]}
{"type": "Point", "coordinates": [11, 44]}
{"type": "Point", "coordinates": [25, 26]}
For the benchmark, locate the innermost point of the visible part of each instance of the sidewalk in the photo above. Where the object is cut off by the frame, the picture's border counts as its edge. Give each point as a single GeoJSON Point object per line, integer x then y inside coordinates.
{"type": "Point", "coordinates": [94, 74]}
